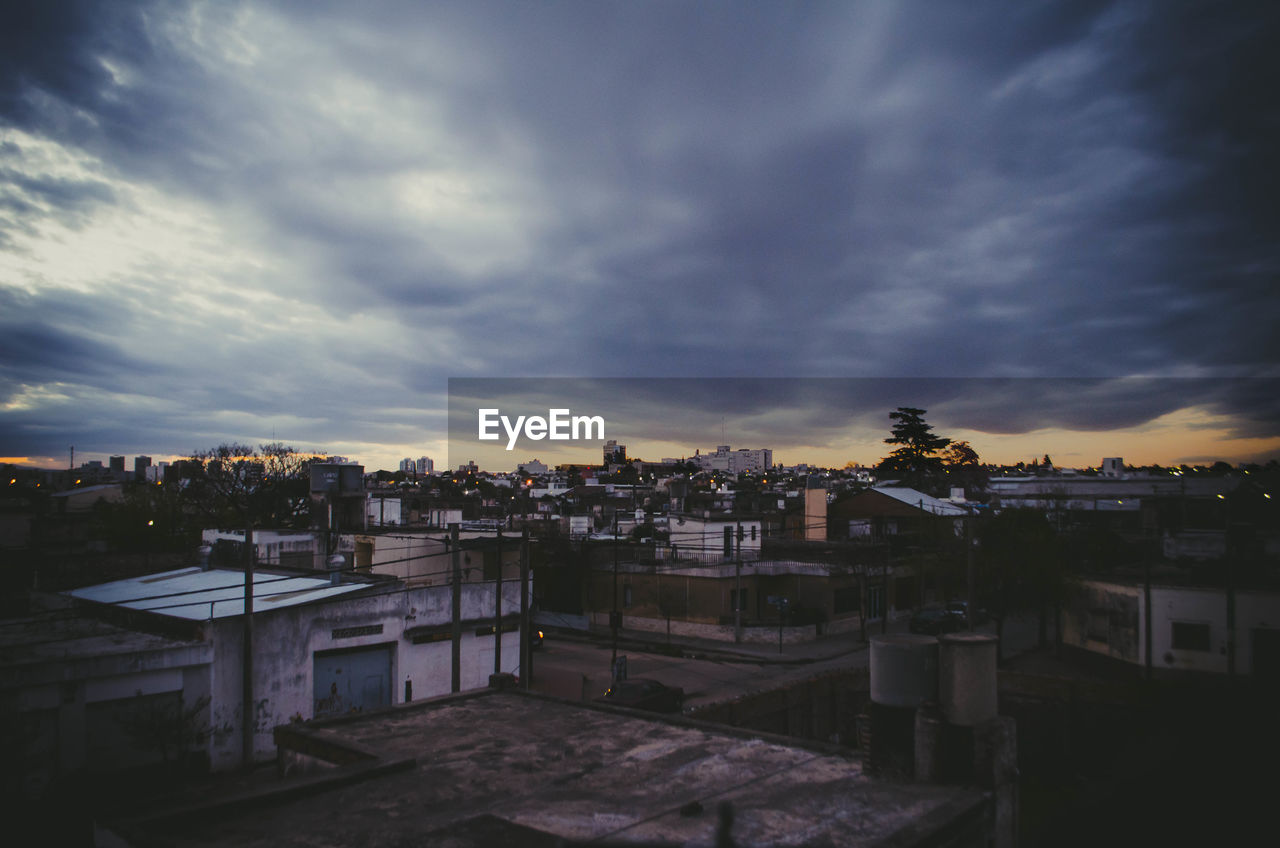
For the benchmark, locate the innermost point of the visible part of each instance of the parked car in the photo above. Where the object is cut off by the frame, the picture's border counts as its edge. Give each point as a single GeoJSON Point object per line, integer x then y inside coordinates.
{"type": "Point", "coordinates": [936, 619]}
{"type": "Point", "coordinates": [643, 694]}
{"type": "Point", "coordinates": [960, 608]}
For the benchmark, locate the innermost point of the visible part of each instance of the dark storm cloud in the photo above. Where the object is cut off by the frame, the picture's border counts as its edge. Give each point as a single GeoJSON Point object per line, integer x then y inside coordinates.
{"type": "Point", "coordinates": [683, 189]}
{"type": "Point", "coordinates": [789, 412]}
{"type": "Point", "coordinates": [63, 341]}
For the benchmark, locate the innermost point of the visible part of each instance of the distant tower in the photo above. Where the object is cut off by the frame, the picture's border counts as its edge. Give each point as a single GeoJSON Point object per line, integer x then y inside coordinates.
{"type": "Point", "coordinates": [1113, 466]}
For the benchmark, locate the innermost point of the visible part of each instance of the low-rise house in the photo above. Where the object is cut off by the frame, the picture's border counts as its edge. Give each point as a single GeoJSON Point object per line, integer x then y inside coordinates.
{"type": "Point", "coordinates": [888, 511]}
{"type": "Point", "coordinates": [169, 648]}
{"type": "Point", "coordinates": [1192, 628]}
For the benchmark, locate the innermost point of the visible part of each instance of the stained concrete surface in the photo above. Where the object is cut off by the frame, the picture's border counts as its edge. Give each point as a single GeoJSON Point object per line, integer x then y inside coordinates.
{"type": "Point", "coordinates": [581, 773]}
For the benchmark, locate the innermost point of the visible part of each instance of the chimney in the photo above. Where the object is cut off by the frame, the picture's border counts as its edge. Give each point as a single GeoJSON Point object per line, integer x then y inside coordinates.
{"type": "Point", "coordinates": [336, 564]}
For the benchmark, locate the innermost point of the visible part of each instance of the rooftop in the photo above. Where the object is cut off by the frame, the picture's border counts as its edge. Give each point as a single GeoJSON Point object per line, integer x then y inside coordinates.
{"type": "Point", "coordinates": [38, 649]}
{"type": "Point", "coordinates": [512, 768]}
{"type": "Point", "coordinates": [198, 595]}
{"type": "Point", "coordinates": [911, 497]}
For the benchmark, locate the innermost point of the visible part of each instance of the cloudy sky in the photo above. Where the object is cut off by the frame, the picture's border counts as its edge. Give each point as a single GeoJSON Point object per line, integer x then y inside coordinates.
{"type": "Point", "coordinates": [225, 221]}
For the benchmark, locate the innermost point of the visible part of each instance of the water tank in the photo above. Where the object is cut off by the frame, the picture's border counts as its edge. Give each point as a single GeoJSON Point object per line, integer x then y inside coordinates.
{"type": "Point", "coordinates": [904, 670]}
{"type": "Point", "coordinates": [967, 678]}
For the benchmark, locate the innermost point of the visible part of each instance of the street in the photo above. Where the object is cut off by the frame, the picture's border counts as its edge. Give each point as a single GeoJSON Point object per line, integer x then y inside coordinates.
{"type": "Point", "coordinates": [576, 666]}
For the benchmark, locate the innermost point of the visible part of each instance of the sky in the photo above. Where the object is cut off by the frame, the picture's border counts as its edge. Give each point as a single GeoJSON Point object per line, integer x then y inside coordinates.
{"type": "Point", "coordinates": [296, 221]}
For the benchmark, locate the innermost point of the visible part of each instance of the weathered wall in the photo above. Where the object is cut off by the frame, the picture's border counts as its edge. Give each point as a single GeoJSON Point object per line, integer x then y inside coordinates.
{"type": "Point", "coordinates": [287, 640]}
{"type": "Point", "coordinates": [1107, 619]}
{"type": "Point", "coordinates": [823, 708]}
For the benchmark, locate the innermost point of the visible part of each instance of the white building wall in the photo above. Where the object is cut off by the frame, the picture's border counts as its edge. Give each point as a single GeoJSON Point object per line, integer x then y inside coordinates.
{"type": "Point", "coordinates": [444, 517]}
{"type": "Point", "coordinates": [694, 537]}
{"type": "Point", "coordinates": [384, 512]}
{"type": "Point", "coordinates": [1190, 606]}
{"type": "Point", "coordinates": [287, 641]}
{"type": "Point", "coordinates": [1196, 607]}
{"type": "Point", "coordinates": [268, 544]}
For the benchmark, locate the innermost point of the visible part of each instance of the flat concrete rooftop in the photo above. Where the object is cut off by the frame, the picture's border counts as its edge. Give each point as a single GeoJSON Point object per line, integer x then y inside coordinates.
{"type": "Point", "coordinates": [55, 648]}
{"type": "Point", "coordinates": [513, 768]}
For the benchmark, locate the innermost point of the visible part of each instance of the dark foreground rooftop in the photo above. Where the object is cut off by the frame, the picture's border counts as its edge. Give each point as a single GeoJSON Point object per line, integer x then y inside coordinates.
{"type": "Point", "coordinates": [511, 768]}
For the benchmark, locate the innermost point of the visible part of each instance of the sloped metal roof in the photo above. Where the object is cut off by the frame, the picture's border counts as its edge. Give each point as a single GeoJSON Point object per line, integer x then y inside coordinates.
{"type": "Point", "coordinates": [218, 593]}
{"type": "Point", "coordinates": [920, 500]}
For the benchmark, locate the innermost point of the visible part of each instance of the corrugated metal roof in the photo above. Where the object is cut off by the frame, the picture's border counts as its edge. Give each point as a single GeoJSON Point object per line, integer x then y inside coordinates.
{"type": "Point", "coordinates": [201, 595]}
{"type": "Point", "coordinates": [921, 500]}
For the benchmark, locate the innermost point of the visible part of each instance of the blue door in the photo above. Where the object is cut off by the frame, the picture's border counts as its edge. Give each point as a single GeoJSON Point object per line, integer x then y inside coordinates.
{"type": "Point", "coordinates": [352, 680]}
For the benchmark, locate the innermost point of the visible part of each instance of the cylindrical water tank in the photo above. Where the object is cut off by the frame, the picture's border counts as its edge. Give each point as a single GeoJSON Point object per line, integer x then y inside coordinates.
{"type": "Point", "coordinates": [967, 678]}
{"type": "Point", "coordinates": [904, 669]}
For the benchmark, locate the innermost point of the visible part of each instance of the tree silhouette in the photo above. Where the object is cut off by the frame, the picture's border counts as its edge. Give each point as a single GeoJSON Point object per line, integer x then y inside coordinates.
{"type": "Point", "coordinates": [917, 458]}
{"type": "Point", "coordinates": [235, 484]}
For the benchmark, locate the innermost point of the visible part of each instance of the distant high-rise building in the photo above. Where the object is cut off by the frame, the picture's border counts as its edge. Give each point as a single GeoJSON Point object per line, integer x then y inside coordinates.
{"type": "Point", "coordinates": [614, 453]}
{"type": "Point", "coordinates": [117, 463]}
{"type": "Point", "coordinates": [140, 466]}
{"type": "Point", "coordinates": [534, 466]}
{"type": "Point", "coordinates": [407, 465]}
{"type": "Point", "coordinates": [735, 462]}
{"type": "Point", "coordinates": [426, 465]}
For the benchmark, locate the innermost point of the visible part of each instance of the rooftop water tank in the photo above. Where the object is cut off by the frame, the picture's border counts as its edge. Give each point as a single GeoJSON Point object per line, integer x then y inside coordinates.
{"type": "Point", "coordinates": [904, 669]}
{"type": "Point", "coordinates": [966, 678]}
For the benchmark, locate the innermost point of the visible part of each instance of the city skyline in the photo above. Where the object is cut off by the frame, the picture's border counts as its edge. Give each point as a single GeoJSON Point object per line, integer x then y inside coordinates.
{"type": "Point", "coordinates": [260, 221]}
{"type": "Point", "coordinates": [1161, 441]}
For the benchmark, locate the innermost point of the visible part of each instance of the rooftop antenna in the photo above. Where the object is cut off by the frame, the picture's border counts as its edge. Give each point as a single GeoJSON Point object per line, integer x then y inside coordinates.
{"type": "Point", "coordinates": [72, 466]}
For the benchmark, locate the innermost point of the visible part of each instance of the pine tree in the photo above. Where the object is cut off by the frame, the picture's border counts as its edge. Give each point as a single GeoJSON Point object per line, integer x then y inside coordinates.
{"type": "Point", "coordinates": [918, 458]}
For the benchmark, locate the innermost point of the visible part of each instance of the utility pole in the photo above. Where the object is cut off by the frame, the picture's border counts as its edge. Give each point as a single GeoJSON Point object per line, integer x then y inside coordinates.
{"type": "Point", "coordinates": [456, 558]}
{"type": "Point", "coordinates": [497, 612]}
{"type": "Point", "coordinates": [1146, 614]}
{"type": "Point", "coordinates": [920, 556]}
{"type": "Point", "coordinates": [737, 595]}
{"type": "Point", "coordinates": [614, 615]}
{"type": "Point", "coordinates": [247, 712]}
{"type": "Point", "coordinates": [526, 650]}
{"type": "Point", "coordinates": [1231, 592]}
{"type": "Point", "coordinates": [968, 554]}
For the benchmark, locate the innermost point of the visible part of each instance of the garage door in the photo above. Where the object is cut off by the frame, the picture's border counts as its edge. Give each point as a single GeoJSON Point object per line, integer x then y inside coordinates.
{"type": "Point", "coordinates": [352, 680]}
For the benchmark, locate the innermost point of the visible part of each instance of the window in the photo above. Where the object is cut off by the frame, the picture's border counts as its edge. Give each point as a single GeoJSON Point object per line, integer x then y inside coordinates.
{"type": "Point", "coordinates": [728, 541]}
{"type": "Point", "coordinates": [626, 595]}
{"type": "Point", "coordinates": [753, 532]}
{"type": "Point", "coordinates": [1190, 636]}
